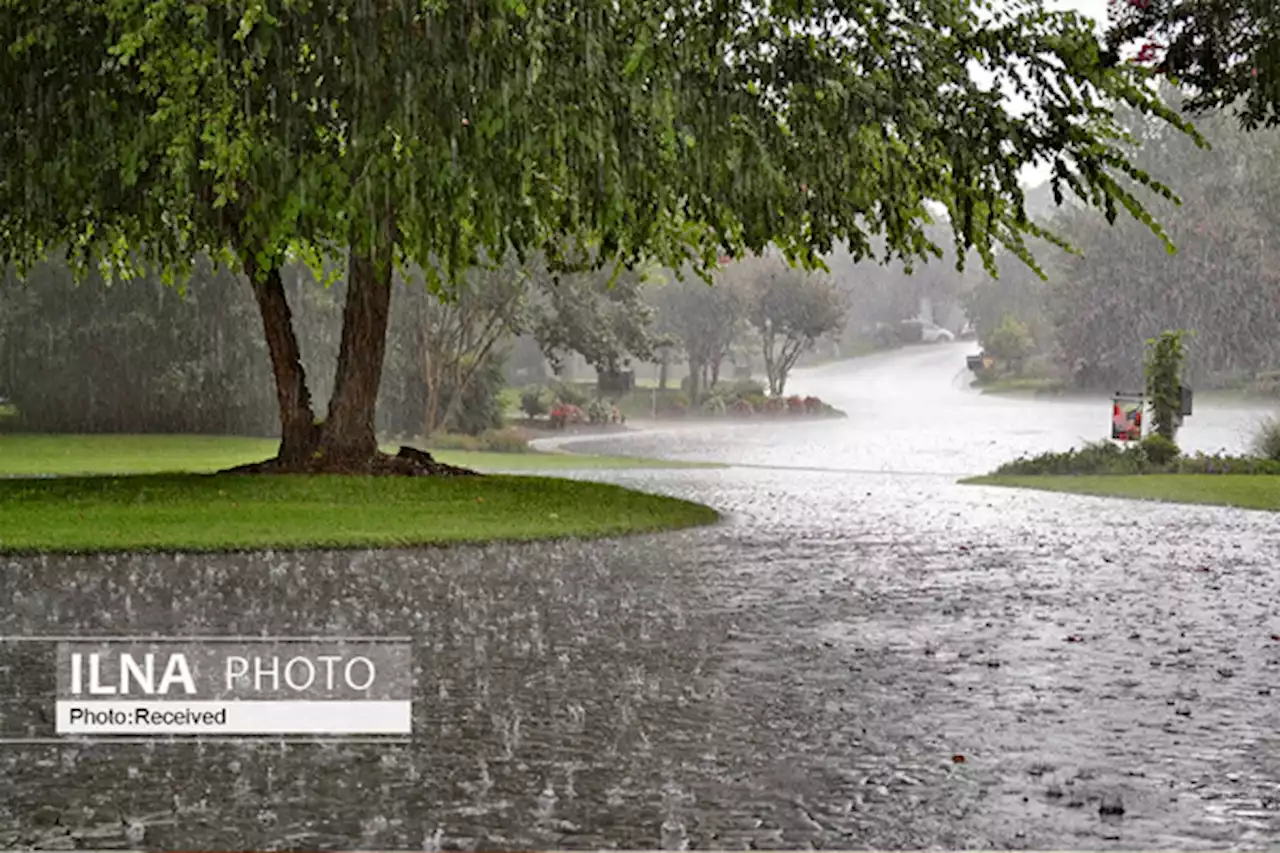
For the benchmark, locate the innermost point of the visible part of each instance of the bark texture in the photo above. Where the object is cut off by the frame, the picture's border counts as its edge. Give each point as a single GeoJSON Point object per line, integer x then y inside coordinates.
{"type": "Point", "coordinates": [348, 437]}
{"type": "Point", "coordinates": [299, 433]}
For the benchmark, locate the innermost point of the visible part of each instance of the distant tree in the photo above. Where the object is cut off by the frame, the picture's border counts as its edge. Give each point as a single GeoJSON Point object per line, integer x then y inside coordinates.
{"type": "Point", "coordinates": [1124, 287]}
{"type": "Point", "coordinates": [1017, 291]}
{"type": "Point", "coordinates": [887, 293]}
{"type": "Point", "coordinates": [136, 356]}
{"type": "Point", "coordinates": [601, 315]}
{"type": "Point", "coordinates": [704, 319]}
{"type": "Point", "coordinates": [1010, 342]}
{"type": "Point", "coordinates": [460, 331]}
{"type": "Point", "coordinates": [790, 308]}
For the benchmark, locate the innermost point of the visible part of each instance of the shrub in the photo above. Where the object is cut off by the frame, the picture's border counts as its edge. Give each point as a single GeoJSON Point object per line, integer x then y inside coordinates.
{"type": "Point", "coordinates": [1266, 443]}
{"type": "Point", "coordinates": [505, 440]}
{"type": "Point", "coordinates": [814, 406]}
{"type": "Point", "coordinates": [714, 405]}
{"type": "Point", "coordinates": [1102, 457]}
{"type": "Point", "coordinates": [1222, 464]}
{"type": "Point", "coordinates": [774, 405]}
{"type": "Point", "coordinates": [1160, 451]}
{"type": "Point", "coordinates": [1164, 359]}
{"type": "Point", "coordinates": [480, 404]}
{"type": "Point", "coordinates": [570, 394]}
{"type": "Point", "coordinates": [743, 408]}
{"type": "Point", "coordinates": [564, 414]}
{"type": "Point", "coordinates": [1011, 342]}
{"type": "Point", "coordinates": [533, 402]}
{"type": "Point", "coordinates": [598, 412]}
{"type": "Point", "coordinates": [745, 389]}
{"type": "Point", "coordinates": [673, 402]}
{"type": "Point", "coordinates": [795, 405]}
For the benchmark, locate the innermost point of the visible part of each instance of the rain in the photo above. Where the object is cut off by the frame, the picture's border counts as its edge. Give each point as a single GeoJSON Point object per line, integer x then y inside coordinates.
{"type": "Point", "coordinates": [846, 641]}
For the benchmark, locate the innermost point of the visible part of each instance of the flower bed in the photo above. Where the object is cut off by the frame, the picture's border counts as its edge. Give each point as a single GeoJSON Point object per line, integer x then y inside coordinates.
{"type": "Point", "coordinates": [748, 400]}
{"type": "Point", "coordinates": [565, 414]}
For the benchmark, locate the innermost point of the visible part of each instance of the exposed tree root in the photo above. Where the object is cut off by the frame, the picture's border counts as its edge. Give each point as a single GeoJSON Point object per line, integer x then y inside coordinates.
{"type": "Point", "coordinates": [409, 462]}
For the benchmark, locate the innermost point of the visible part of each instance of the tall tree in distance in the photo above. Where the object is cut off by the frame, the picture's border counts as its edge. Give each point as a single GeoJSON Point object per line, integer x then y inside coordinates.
{"type": "Point", "coordinates": [703, 319]}
{"type": "Point", "coordinates": [459, 334]}
{"type": "Point", "coordinates": [600, 315]}
{"type": "Point", "coordinates": [790, 309]}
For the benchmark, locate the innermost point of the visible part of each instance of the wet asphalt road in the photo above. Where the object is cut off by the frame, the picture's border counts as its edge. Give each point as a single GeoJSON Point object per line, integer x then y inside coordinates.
{"type": "Point", "coordinates": [805, 675]}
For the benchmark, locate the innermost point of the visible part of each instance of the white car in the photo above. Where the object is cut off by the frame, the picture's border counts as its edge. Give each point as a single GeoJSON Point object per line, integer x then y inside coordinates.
{"type": "Point", "coordinates": [924, 332]}
{"type": "Point", "coordinates": [932, 334]}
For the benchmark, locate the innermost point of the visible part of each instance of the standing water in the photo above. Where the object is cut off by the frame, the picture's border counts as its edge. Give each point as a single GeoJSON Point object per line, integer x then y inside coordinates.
{"type": "Point", "coordinates": [865, 654]}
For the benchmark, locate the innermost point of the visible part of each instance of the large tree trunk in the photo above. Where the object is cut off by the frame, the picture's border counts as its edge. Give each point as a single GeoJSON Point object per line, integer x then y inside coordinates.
{"type": "Point", "coordinates": [299, 433]}
{"type": "Point", "coordinates": [348, 440]}
{"type": "Point", "coordinates": [695, 373]}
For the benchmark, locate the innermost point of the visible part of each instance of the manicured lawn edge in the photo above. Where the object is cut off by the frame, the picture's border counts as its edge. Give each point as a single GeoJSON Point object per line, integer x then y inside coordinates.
{"type": "Point", "coordinates": [228, 513]}
{"type": "Point", "coordinates": [1261, 492]}
{"type": "Point", "coordinates": [38, 455]}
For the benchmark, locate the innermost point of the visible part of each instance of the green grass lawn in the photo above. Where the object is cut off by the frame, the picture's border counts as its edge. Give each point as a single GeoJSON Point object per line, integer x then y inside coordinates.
{"type": "Point", "coordinates": [1024, 385]}
{"type": "Point", "coordinates": [1239, 490]}
{"type": "Point", "coordinates": [92, 493]}
{"type": "Point", "coordinates": [195, 512]}
{"type": "Point", "coordinates": [24, 455]}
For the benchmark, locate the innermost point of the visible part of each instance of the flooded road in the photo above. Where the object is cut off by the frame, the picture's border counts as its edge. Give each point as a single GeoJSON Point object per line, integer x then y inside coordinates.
{"type": "Point", "coordinates": [864, 656]}
{"type": "Point", "coordinates": [912, 411]}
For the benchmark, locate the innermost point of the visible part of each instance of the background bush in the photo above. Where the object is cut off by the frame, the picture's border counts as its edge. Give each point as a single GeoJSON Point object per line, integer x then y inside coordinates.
{"type": "Point", "coordinates": [1160, 450]}
{"type": "Point", "coordinates": [534, 402]}
{"type": "Point", "coordinates": [1266, 444]}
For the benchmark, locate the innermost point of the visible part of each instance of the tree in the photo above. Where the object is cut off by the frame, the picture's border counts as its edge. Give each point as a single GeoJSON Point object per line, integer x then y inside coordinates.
{"type": "Point", "coordinates": [704, 319]}
{"type": "Point", "coordinates": [1124, 287]}
{"type": "Point", "coordinates": [398, 130]}
{"type": "Point", "coordinates": [1164, 358]}
{"type": "Point", "coordinates": [790, 308]}
{"type": "Point", "coordinates": [600, 315]}
{"type": "Point", "coordinates": [459, 334]}
{"type": "Point", "coordinates": [134, 357]}
{"type": "Point", "coordinates": [1016, 292]}
{"type": "Point", "coordinates": [1010, 342]}
{"type": "Point", "coordinates": [1226, 53]}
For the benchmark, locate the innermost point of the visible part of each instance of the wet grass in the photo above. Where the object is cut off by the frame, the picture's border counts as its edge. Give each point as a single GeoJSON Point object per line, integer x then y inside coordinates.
{"type": "Point", "coordinates": [1238, 490]}
{"type": "Point", "coordinates": [40, 455]}
{"type": "Point", "coordinates": [194, 512]}
{"type": "Point", "coordinates": [1037, 386]}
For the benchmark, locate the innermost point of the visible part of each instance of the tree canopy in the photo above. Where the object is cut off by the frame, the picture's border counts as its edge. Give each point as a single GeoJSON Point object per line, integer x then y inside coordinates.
{"type": "Point", "coordinates": [1223, 52]}
{"type": "Point", "coordinates": [1097, 307]}
{"type": "Point", "coordinates": [437, 132]}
